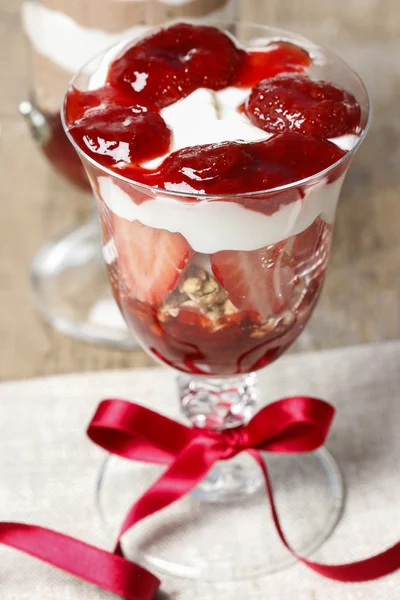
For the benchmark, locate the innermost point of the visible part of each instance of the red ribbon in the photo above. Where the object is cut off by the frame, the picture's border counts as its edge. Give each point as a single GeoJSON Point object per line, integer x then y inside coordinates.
{"type": "Point", "coordinates": [298, 424]}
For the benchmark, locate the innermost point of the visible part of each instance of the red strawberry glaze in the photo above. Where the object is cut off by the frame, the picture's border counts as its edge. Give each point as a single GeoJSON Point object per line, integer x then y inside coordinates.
{"type": "Point", "coordinates": [276, 58]}
{"type": "Point", "coordinates": [78, 102]}
{"type": "Point", "coordinates": [176, 61]}
{"type": "Point", "coordinates": [169, 65]}
{"type": "Point", "coordinates": [128, 134]}
{"type": "Point", "coordinates": [237, 167]}
{"type": "Point", "coordinates": [174, 79]}
{"type": "Point", "coordinates": [299, 104]}
{"type": "Point", "coordinates": [58, 149]}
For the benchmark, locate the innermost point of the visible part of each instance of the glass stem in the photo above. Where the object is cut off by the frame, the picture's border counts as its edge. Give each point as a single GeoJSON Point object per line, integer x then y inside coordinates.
{"type": "Point", "coordinates": [217, 404]}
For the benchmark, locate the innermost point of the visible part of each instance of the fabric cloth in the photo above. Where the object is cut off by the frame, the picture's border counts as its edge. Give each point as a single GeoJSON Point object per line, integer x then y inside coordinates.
{"type": "Point", "coordinates": [48, 469]}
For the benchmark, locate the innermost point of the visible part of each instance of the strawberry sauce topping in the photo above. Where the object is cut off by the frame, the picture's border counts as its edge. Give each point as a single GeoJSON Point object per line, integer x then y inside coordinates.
{"type": "Point", "coordinates": [176, 61]}
{"type": "Point", "coordinates": [299, 104]}
{"type": "Point", "coordinates": [128, 134]}
{"type": "Point", "coordinates": [80, 103]}
{"type": "Point", "coordinates": [235, 167]}
{"type": "Point", "coordinates": [119, 125]}
{"type": "Point", "coordinates": [276, 58]}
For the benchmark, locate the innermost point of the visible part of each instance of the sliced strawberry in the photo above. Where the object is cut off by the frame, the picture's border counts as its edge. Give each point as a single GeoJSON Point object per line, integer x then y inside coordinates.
{"type": "Point", "coordinates": [151, 261]}
{"type": "Point", "coordinates": [260, 280]}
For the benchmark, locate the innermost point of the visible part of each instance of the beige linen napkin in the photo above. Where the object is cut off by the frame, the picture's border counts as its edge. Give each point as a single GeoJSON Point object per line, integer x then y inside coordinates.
{"type": "Point", "coordinates": [48, 469]}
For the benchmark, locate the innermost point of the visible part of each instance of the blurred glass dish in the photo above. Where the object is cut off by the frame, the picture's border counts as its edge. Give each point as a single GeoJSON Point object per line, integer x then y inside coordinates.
{"type": "Point", "coordinates": [68, 278]}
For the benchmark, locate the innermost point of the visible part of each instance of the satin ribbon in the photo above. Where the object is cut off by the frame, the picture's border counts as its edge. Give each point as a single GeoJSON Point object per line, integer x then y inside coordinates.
{"type": "Point", "coordinates": [291, 425]}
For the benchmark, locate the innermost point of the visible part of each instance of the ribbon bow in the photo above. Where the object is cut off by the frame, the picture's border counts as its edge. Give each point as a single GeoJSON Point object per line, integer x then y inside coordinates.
{"type": "Point", "coordinates": [297, 424]}
{"type": "Point", "coordinates": [138, 433]}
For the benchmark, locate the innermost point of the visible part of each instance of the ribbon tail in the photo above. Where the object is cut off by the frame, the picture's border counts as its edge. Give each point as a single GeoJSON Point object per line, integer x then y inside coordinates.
{"type": "Point", "coordinates": [371, 568]}
{"type": "Point", "coordinates": [89, 563]}
{"type": "Point", "coordinates": [188, 469]}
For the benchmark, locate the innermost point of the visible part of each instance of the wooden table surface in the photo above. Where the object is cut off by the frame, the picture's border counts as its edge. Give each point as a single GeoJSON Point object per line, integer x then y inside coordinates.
{"type": "Point", "coordinates": [361, 299]}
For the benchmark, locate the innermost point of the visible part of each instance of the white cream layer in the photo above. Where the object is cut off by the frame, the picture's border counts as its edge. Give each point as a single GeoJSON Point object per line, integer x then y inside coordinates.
{"type": "Point", "coordinates": [206, 117]}
{"type": "Point", "coordinates": [211, 226]}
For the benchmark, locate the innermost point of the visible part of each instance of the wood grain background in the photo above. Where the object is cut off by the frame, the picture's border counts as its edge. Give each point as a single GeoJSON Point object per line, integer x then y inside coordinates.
{"type": "Point", "coordinates": [361, 299]}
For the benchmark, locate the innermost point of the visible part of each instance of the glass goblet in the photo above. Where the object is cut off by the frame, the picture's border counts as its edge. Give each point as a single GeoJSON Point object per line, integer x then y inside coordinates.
{"type": "Point", "coordinates": [250, 280]}
{"type": "Point", "coordinates": [68, 278]}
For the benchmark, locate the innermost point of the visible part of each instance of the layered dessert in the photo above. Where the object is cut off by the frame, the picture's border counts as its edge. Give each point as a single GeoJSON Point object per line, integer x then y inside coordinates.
{"type": "Point", "coordinates": [217, 171]}
{"type": "Point", "coordinates": [65, 34]}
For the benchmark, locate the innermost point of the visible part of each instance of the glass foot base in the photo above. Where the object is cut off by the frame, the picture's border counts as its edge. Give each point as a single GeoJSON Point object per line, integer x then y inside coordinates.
{"type": "Point", "coordinates": [230, 481]}
{"type": "Point", "coordinates": [71, 291]}
{"type": "Point", "coordinates": [226, 541]}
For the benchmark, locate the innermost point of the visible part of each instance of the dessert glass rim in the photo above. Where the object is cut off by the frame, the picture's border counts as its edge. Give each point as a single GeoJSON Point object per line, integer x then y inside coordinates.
{"type": "Point", "coordinates": [278, 35]}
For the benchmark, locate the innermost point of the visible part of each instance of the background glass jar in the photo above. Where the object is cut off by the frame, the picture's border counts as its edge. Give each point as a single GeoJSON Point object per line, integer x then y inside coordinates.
{"type": "Point", "coordinates": [68, 279]}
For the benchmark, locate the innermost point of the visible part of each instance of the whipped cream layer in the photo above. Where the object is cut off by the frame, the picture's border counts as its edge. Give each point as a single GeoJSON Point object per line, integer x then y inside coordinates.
{"type": "Point", "coordinates": [207, 117]}
{"type": "Point", "coordinates": [211, 226]}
